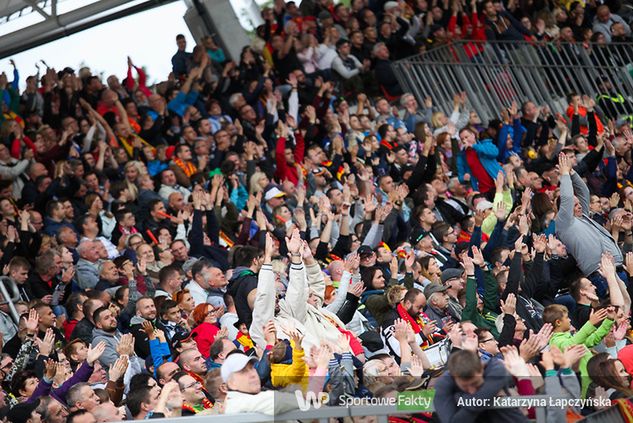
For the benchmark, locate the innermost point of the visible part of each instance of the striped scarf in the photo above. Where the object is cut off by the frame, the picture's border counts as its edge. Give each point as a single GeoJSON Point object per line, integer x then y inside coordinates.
{"type": "Point", "coordinates": [186, 167]}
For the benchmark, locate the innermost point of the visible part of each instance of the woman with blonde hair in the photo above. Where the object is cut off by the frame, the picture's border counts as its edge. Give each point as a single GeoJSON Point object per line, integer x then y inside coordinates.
{"type": "Point", "coordinates": [257, 183]}
{"type": "Point", "coordinates": [457, 120]}
{"type": "Point", "coordinates": [105, 219]}
{"type": "Point", "coordinates": [430, 272]}
{"type": "Point", "coordinates": [133, 170]}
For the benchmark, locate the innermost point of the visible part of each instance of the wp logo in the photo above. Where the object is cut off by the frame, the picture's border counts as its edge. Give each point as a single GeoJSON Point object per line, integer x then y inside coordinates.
{"type": "Point", "coordinates": [312, 399]}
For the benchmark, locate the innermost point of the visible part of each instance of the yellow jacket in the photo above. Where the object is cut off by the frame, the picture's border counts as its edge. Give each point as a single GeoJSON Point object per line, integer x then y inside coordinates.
{"type": "Point", "coordinates": [283, 375]}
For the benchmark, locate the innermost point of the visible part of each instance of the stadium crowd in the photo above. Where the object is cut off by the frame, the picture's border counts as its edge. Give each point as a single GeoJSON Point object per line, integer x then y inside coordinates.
{"type": "Point", "coordinates": [293, 222]}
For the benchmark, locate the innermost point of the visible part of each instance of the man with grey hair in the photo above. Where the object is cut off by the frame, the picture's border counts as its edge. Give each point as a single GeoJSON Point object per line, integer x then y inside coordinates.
{"type": "Point", "coordinates": [145, 312]}
{"type": "Point", "coordinates": [604, 20]}
{"type": "Point", "coordinates": [237, 100]}
{"type": "Point", "coordinates": [87, 266]}
{"type": "Point", "coordinates": [415, 114]}
{"type": "Point", "coordinates": [108, 412]}
{"type": "Point", "coordinates": [199, 287]}
{"type": "Point", "coordinates": [82, 397]}
{"type": "Point", "coordinates": [385, 75]}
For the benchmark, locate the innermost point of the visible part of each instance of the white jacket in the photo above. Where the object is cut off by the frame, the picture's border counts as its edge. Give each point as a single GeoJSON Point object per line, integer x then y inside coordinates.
{"type": "Point", "coordinates": [267, 402]}
{"type": "Point", "coordinates": [294, 310]}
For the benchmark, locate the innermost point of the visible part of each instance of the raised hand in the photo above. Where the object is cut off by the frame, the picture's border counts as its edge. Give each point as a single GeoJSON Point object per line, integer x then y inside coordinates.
{"type": "Point", "coordinates": [509, 306]}
{"type": "Point", "coordinates": [518, 244]}
{"type": "Point", "coordinates": [50, 369]}
{"type": "Point", "coordinates": [515, 363]}
{"type": "Point", "coordinates": [479, 218]}
{"type": "Point", "coordinates": [270, 333]}
{"type": "Point", "coordinates": [118, 368]}
{"type": "Point", "coordinates": [416, 369]}
{"type": "Point", "coordinates": [45, 346]}
{"type": "Point", "coordinates": [470, 342]}
{"type": "Point", "coordinates": [323, 356]}
{"type": "Point", "coordinates": [499, 181]}
{"type": "Point", "coordinates": [572, 355]}
{"type": "Point", "coordinates": [306, 252]}
{"type": "Point", "coordinates": [409, 261]}
{"type": "Point", "coordinates": [369, 205]}
{"type": "Point", "coordinates": [222, 333]}
{"type": "Point", "coordinates": [357, 289]}
{"type": "Point", "coordinates": [294, 243]}
{"type": "Point", "coordinates": [628, 263]}
{"type": "Point", "coordinates": [148, 328]}
{"type": "Point", "coordinates": [469, 266]}
{"type": "Point", "coordinates": [94, 353]}
{"type": "Point", "coordinates": [607, 268]}
{"type": "Point", "coordinates": [544, 335]}
{"type": "Point", "coordinates": [539, 242]}
{"type": "Point", "coordinates": [268, 248]}
{"type": "Point", "coordinates": [529, 348]}
{"type": "Point", "coordinates": [400, 330]}
{"type": "Point", "coordinates": [478, 257]}
{"type": "Point", "coordinates": [547, 360]}
{"type": "Point", "coordinates": [597, 316]}
{"type": "Point", "coordinates": [622, 327]}
{"type": "Point", "coordinates": [32, 323]}
{"type": "Point", "coordinates": [126, 345]}
{"type": "Point", "coordinates": [564, 165]}
{"type": "Point", "coordinates": [297, 338]}
{"type": "Point", "coordinates": [501, 211]}
{"type": "Point", "coordinates": [524, 226]}
{"type": "Point", "coordinates": [352, 263]}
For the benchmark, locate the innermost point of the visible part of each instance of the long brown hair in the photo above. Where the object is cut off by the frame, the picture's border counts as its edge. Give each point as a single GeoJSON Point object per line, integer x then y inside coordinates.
{"type": "Point", "coordinates": [602, 371]}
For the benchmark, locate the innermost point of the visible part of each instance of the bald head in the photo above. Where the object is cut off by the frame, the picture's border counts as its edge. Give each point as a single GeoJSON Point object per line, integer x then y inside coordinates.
{"type": "Point", "coordinates": [336, 270]}
{"type": "Point", "coordinates": [192, 361]}
{"type": "Point", "coordinates": [176, 201]}
{"type": "Point", "coordinates": [107, 412]}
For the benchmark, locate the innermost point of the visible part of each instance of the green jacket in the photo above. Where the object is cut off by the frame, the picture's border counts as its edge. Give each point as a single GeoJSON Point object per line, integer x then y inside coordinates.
{"type": "Point", "coordinates": [491, 299]}
{"type": "Point", "coordinates": [589, 336]}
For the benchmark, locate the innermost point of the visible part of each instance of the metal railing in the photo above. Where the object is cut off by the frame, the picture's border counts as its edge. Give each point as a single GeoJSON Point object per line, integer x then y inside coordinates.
{"type": "Point", "coordinates": [495, 73]}
{"type": "Point", "coordinates": [11, 295]}
{"type": "Point", "coordinates": [381, 412]}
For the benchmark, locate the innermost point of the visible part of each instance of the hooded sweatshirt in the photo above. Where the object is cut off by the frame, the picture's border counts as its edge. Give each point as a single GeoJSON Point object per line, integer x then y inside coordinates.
{"type": "Point", "coordinates": [589, 336]}
{"type": "Point", "coordinates": [244, 280]}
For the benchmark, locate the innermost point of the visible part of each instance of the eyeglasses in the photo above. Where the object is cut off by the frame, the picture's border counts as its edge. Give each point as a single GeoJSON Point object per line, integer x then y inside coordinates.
{"type": "Point", "coordinates": [191, 385]}
{"type": "Point", "coordinates": [487, 340]}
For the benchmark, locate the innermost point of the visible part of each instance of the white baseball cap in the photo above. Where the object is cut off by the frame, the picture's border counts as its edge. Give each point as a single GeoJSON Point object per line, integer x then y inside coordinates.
{"type": "Point", "coordinates": [484, 205]}
{"type": "Point", "coordinates": [274, 192]}
{"type": "Point", "coordinates": [235, 363]}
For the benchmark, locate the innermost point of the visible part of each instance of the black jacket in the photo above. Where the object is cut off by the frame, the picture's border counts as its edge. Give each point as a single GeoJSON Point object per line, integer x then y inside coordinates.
{"type": "Point", "coordinates": [83, 331]}
{"type": "Point", "coordinates": [239, 287]}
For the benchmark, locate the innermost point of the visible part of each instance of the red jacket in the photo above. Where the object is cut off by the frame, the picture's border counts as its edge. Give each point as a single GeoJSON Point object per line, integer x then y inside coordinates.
{"type": "Point", "coordinates": [204, 336]}
{"type": "Point", "coordinates": [582, 111]}
{"type": "Point", "coordinates": [285, 171]}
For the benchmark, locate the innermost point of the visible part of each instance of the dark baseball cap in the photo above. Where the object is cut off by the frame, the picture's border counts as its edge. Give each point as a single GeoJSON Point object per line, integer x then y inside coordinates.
{"type": "Point", "coordinates": [433, 288]}
{"type": "Point", "coordinates": [365, 250]}
{"type": "Point", "coordinates": [451, 273]}
{"type": "Point", "coordinates": [417, 235]}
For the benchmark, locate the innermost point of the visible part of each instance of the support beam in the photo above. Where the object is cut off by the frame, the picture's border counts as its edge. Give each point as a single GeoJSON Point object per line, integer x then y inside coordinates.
{"type": "Point", "coordinates": [70, 23]}
{"type": "Point", "coordinates": [38, 9]}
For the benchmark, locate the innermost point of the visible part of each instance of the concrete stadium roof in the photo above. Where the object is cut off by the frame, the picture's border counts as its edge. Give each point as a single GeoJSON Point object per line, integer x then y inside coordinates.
{"type": "Point", "coordinates": [25, 24]}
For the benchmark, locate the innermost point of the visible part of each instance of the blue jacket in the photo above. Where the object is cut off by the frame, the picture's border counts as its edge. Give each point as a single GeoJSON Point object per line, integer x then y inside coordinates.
{"type": "Point", "coordinates": [182, 101]}
{"type": "Point", "coordinates": [487, 153]}
{"type": "Point", "coordinates": [516, 132]}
